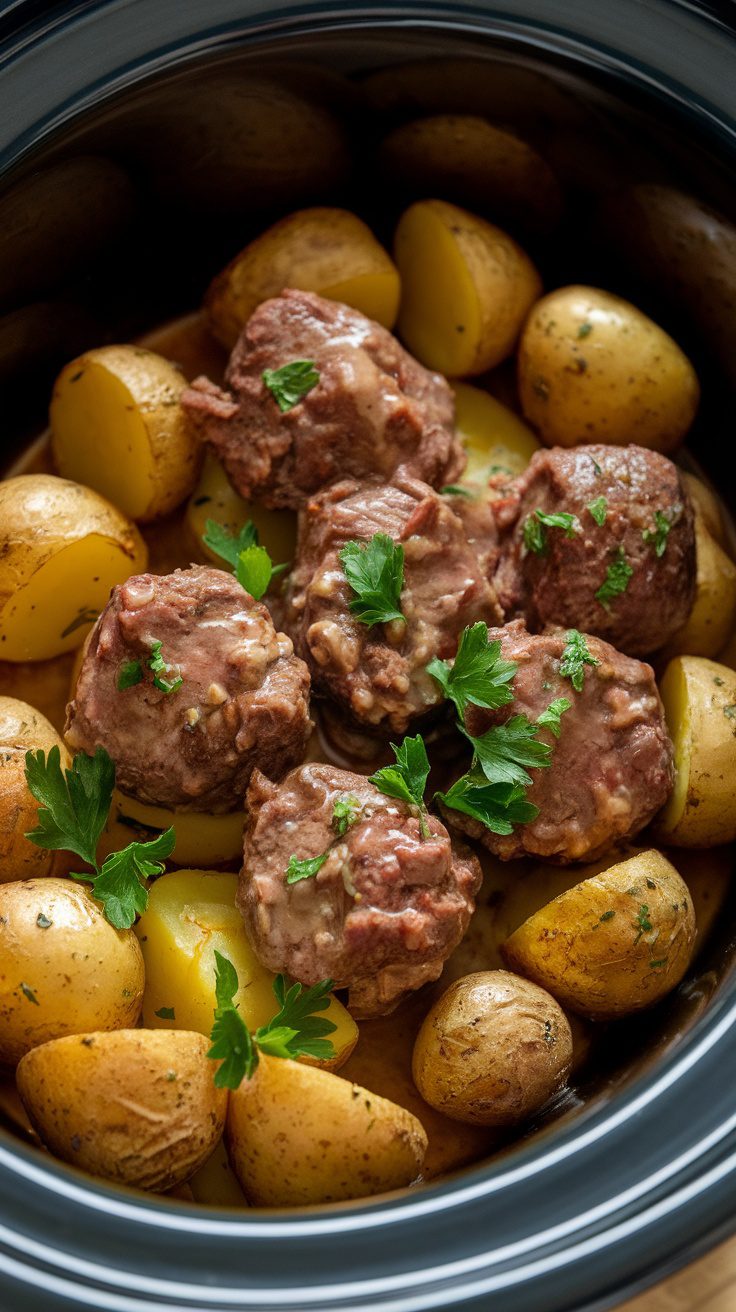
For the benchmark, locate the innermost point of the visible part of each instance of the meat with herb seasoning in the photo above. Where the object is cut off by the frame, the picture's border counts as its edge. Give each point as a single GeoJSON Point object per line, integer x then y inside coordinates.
{"type": "Point", "coordinates": [316, 391]}
{"type": "Point", "coordinates": [187, 685]}
{"type": "Point", "coordinates": [600, 537]}
{"type": "Point", "coordinates": [611, 767]}
{"type": "Point", "coordinates": [380, 913]}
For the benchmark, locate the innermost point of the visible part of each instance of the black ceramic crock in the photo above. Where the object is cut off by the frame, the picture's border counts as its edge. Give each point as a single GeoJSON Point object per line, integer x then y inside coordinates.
{"type": "Point", "coordinates": [640, 1175]}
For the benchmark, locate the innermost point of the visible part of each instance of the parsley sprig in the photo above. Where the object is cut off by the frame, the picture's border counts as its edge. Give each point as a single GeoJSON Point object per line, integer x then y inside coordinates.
{"type": "Point", "coordinates": [616, 581]}
{"type": "Point", "coordinates": [345, 812]}
{"type": "Point", "coordinates": [375, 573]}
{"type": "Point", "coordinates": [295, 1030]}
{"type": "Point", "coordinates": [291, 382]}
{"type": "Point", "coordinates": [74, 806]}
{"type": "Point", "coordinates": [575, 657]}
{"type": "Point", "coordinates": [499, 807]}
{"type": "Point", "coordinates": [249, 561]}
{"type": "Point", "coordinates": [407, 779]}
{"type": "Point", "coordinates": [534, 536]}
{"type": "Point", "coordinates": [478, 676]}
{"type": "Point", "coordinates": [663, 523]}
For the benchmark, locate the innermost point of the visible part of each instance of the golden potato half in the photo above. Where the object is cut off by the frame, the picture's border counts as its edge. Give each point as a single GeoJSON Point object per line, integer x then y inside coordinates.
{"type": "Point", "coordinates": [699, 699]}
{"type": "Point", "coordinates": [713, 617]}
{"type": "Point", "coordinates": [62, 549]}
{"type": "Point", "coordinates": [496, 441]}
{"type": "Point", "coordinates": [200, 839]}
{"type": "Point", "coordinates": [117, 426]}
{"type": "Point", "coordinates": [137, 1107]}
{"type": "Point", "coordinates": [215, 498]}
{"type": "Point", "coordinates": [22, 729]}
{"type": "Point", "coordinates": [615, 943]}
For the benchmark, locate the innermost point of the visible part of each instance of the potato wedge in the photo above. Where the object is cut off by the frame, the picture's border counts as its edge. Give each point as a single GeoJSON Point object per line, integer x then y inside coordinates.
{"type": "Point", "coordinates": [615, 943]}
{"type": "Point", "coordinates": [133, 1106]}
{"type": "Point", "coordinates": [712, 619]}
{"type": "Point", "coordinates": [191, 914]}
{"type": "Point", "coordinates": [125, 399]}
{"type": "Point", "coordinates": [215, 498]}
{"type": "Point", "coordinates": [201, 840]}
{"type": "Point", "coordinates": [495, 439]}
{"type": "Point", "coordinates": [707, 502]}
{"type": "Point", "coordinates": [63, 968]}
{"type": "Point", "coordinates": [62, 548]}
{"type": "Point", "coordinates": [23, 729]}
{"type": "Point", "coordinates": [466, 288]}
{"type": "Point", "coordinates": [324, 250]}
{"type": "Point", "coordinates": [593, 368]}
{"type": "Point", "coordinates": [699, 699]}
{"type": "Point", "coordinates": [298, 1136]}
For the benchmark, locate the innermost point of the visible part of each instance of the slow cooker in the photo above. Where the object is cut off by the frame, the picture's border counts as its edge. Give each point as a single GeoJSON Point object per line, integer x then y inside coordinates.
{"type": "Point", "coordinates": [141, 143]}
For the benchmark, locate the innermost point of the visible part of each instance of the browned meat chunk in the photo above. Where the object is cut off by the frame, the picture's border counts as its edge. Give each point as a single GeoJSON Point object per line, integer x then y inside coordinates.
{"type": "Point", "coordinates": [611, 768]}
{"type": "Point", "coordinates": [243, 696]}
{"type": "Point", "coordinates": [374, 407]}
{"type": "Point", "coordinates": [386, 908]}
{"type": "Point", "coordinates": [377, 673]}
{"type": "Point", "coordinates": [637, 543]}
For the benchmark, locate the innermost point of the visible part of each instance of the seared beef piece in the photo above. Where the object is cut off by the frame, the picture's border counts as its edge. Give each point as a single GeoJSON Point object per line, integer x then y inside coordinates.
{"type": "Point", "coordinates": [244, 696]}
{"type": "Point", "coordinates": [377, 674]}
{"type": "Point", "coordinates": [373, 409]}
{"type": "Point", "coordinates": [612, 766]}
{"type": "Point", "coordinates": [557, 585]}
{"type": "Point", "coordinates": [385, 910]}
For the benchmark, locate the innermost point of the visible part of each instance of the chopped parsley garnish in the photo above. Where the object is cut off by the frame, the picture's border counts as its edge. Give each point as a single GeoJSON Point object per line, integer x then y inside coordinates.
{"type": "Point", "coordinates": [658, 535]}
{"type": "Point", "coordinates": [160, 669]}
{"type": "Point", "coordinates": [306, 869]}
{"type": "Point", "coordinates": [616, 580]}
{"type": "Point", "coordinates": [478, 676]}
{"type": "Point", "coordinates": [407, 779]}
{"type": "Point", "coordinates": [74, 805]}
{"type": "Point", "coordinates": [345, 812]}
{"type": "Point", "coordinates": [294, 1031]}
{"type": "Point", "coordinates": [27, 992]}
{"type": "Point", "coordinates": [607, 915]}
{"type": "Point", "coordinates": [585, 329]}
{"type": "Point", "coordinates": [375, 573]}
{"type": "Point", "coordinates": [642, 923]}
{"type": "Point", "coordinates": [130, 674]}
{"type": "Point", "coordinates": [599, 510]}
{"type": "Point", "coordinates": [575, 657]}
{"type": "Point", "coordinates": [497, 806]}
{"type": "Point", "coordinates": [597, 468]}
{"type": "Point", "coordinates": [550, 719]}
{"type": "Point", "coordinates": [165, 1013]}
{"type": "Point", "coordinates": [291, 382]}
{"type": "Point", "coordinates": [535, 538]}
{"type": "Point", "coordinates": [657, 965]}
{"type": "Point", "coordinates": [456, 490]}
{"type": "Point", "coordinates": [250, 562]}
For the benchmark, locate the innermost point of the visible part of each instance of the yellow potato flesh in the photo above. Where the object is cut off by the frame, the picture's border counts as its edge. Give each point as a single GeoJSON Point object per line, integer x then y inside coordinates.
{"type": "Point", "coordinates": [495, 439]}
{"type": "Point", "coordinates": [443, 333]}
{"type": "Point", "coordinates": [713, 616]}
{"type": "Point", "coordinates": [699, 698]}
{"type": "Point", "coordinates": [191, 914]}
{"type": "Point", "coordinates": [201, 840]}
{"type": "Point", "coordinates": [375, 294]}
{"type": "Point", "coordinates": [215, 498]}
{"type": "Point", "coordinates": [215, 1184]}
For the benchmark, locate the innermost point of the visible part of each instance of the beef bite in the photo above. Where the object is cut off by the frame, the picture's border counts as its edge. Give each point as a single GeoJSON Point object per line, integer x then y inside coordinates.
{"type": "Point", "coordinates": [622, 565]}
{"type": "Point", "coordinates": [186, 721]}
{"type": "Point", "coordinates": [376, 673]}
{"type": "Point", "coordinates": [372, 408]}
{"type": "Point", "coordinates": [384, 911]}
{"type": "Point", "coordinates": [611, 769]}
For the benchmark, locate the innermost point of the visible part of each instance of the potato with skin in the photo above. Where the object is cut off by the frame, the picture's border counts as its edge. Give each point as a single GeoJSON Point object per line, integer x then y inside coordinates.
{"type": "Point", "coordinates": [699, 698]}
{"type": "Point", "coordinates": [713, 617]}
{"type": "Point", "coordinates": [214, 497]}
{"type": "Point", "coordinates": [467, 288]}
{"type": "Point", "coordinates": [707, 505]}
{"type": "Point", "coordinates": [62, 549]}
{"type": "Point", "coordinates": [63, 968]}
{"type": "Point", "coordinates": [298, 1136]}
{"type": "Point", "coordinates": [614, 943]}
{"type": "Point", "coordinates": [324, 250]}
{"type": "Point", "coordinates": [493, 1049]}
{"type": "Point", "coordinates": [191, 914]}
{"type": "Point", "coordinates": [133, 1106]}
{"type": "Point", "coordinates": [124, 400]}
{"type": "Point", "coordinates": [593, 368]}
{"type": "Point", "coordinates": [495, 439]}
{"type": "Point", "coordinates": [23, 729]}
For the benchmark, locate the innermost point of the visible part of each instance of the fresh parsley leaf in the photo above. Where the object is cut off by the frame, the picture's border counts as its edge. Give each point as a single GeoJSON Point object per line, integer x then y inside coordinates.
{"type": "Point", "coordinates": [599, 510]}
{"type": "Point", "coordinates": [120, 885]}
{"type": "Point", "coordinates": [73, 803]}
{"type": "Point", "coordinates": [585, 329]}
{"type": "Point", "coordinates": [229, 545]}
{"type": "Point", "coordinates": [616, 580]}
{"type": "Point", "coordinates": [295, 1031]}
{"type": "Point", "coordinates": [307, 869]}
{"type": "Point", "coordinates": [658, 535]}
{"type": "Point", "coordinates": [550, 719]}
{"type": "Point", "coordinates": [232, 1044]}
{"type": "Point", "coordinates": [160, 669]}
{"type": "Point", "coordinates": [456, 490]}
{"type": "Point", "coordinates": [375, 573]}
{"type": "Point", "coordinates": [345, 812]}
{"type": "Point", "coordinates": [535, 538]}
{"type": "Point", "coordinates": [130, 674]}
{"type": "Point", "coordinates": [497, 806]}
{"type": "Point", "coordinates": [254, 571]}
{"type": "Point", "coordinates": [478, 676]}
{"type": "Point", "coordinates": [166, 1013]}
{"type": "Point", "coordinates": [504, 750]}
{"type": "Point", "coordinates": [575, 657]}
{"type": "Point", "coordinates": [291, 382]}
{"type": "Point", "coordinates": [407, 779]}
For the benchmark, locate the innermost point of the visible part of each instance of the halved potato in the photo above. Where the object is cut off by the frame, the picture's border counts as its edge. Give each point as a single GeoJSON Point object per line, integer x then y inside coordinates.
{"type": "Point", "coordinates": [117, 426]}
{"type": "Point", "coordinates": [466, 288]}
{"type": "Point", "coordinates": [191, 914]}
{"type": "Point", "coordinates": [201, 840]}
{"type": "Point", "coordinates": [215, 1183]}
{"type": "Point", "coordinates": [137, 1107]}
{"type": "Point", "coordinates": [712, 619]}
{"type": "Point", "coordinates": [215, 498]}
{"type": "Point", "coordinates": [706, 501]}
{"type": "Point", "coordinates": [23, 729]}
{"type": "Point", "coordinates": [699, 699]}
{"type": "Point", "coordinates": [62, 549]}
{"type": "Point", "coordinates": [495, 439]}
{"type": "Point", "coordinates": [324, 250]}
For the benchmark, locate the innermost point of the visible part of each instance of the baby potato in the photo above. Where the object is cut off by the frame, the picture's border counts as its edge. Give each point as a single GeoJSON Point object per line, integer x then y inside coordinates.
{"type": "Point", "coordinates": [699, 698]}
{"type": "Point", "coordinates": [125, 400]}
{"type": "Point", "coordinates": [493, 1049]}
{"type": "Point", "coordinates": [215, 498]}
{"type": "Point", "coordinates": [63, 968]}
{"type": "Point", "coordinates": [614, 943]}
{"type": "Point", "coordinates": [466, 288]}
{"type": "Point", "coordinates": [298, 1136]}
{"type": "Point", "coordinates": [200, 840]}
{"type": "Point", "coordinates": [593, 368]}
{"type": "Point", "coordinates": [495, 439]}
{"type": "Point", "coordinates": [713, 617]}
{"type": "Point", "coordinates": [708, 505]}
{"type": "Point", "coordinates": [22, 729]}
{"type": "Point", "coordinates": [324, 250]}
{"type": "Point", "coordinates": [62, 549]}
{"type": "Point", "coordinates": [132, 1106]}
{"type": "Point", "coordinates": [190, 915]}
